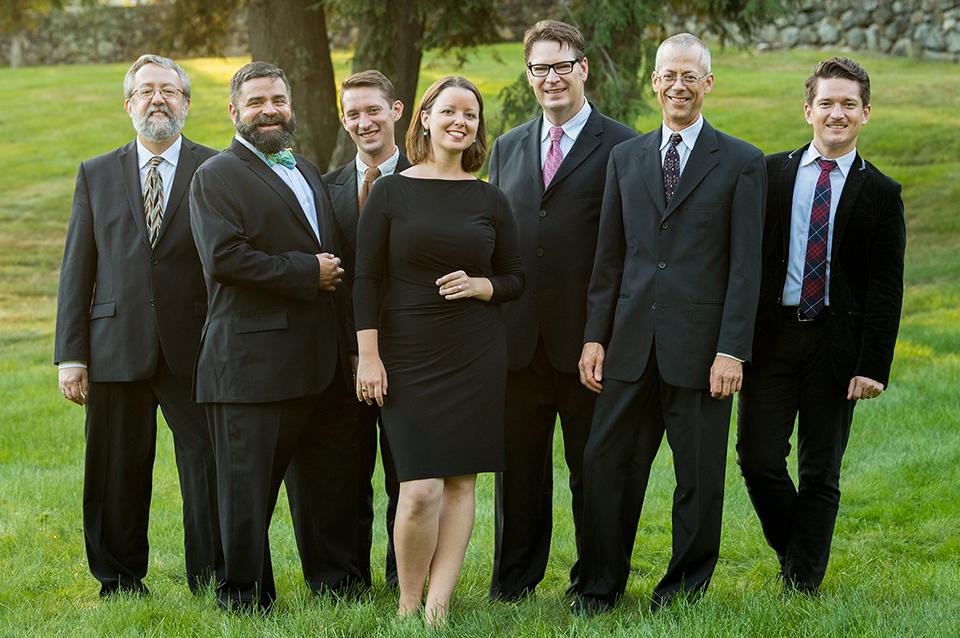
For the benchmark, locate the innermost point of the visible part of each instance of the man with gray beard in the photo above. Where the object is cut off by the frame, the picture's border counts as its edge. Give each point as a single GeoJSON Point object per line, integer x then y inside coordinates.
{"type": "Point", "coordinates": [274, 364]}
{"type": "Point", "coordinates": [130, 307]}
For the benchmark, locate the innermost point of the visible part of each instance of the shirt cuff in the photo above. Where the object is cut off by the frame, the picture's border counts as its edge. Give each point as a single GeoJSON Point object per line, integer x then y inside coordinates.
{"type": "Point", "coordinates": [730, 356]}
{"type": "Point", "coordinates": [63, 365]}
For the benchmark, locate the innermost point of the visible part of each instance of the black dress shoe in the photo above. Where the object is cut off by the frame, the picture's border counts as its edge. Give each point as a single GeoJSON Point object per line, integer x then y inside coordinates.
{"type": "Point", "coordinates": [588, 606]}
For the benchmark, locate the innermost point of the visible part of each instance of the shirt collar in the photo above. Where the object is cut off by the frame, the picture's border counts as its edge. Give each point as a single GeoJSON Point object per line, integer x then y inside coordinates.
{"type": "Point", "coordinates": [387, 166]}
{"type": "Point", "coordinates": [689, 134]}
{"type": "Point", "coordinates": [844, 162]}
{"type": "Point", "coordinates": [572, 127]}
{"type": "Point", "coordinates": [172, 154]}
{"type": "Point", "coordinates": [253, 148]}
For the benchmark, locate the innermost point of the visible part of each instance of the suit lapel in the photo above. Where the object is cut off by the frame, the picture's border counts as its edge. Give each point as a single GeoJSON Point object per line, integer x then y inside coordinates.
{"type": "Point", "coordinates": [587, 142]}
{"type": "Point", "coordinates": [787, 182]}
{"type": "Point", "coordinates": [186, 165]}
{"type": "Point", "coordinates": [264, 172]}
{"type": "Point", "coordinates": [320, 204]}
{"type": "Point", "coordinates": [702, 160]}
{"type": "Point", "coordinates": [651, 169]}
{"type": "Point", "coordinates": [343, 192]}
{"type": "Point", "coordinates": [530, 154]}
{"type": "Point", "coordinates": [130, 169]}
{"type": "Point", "coordinates": [851, 192]}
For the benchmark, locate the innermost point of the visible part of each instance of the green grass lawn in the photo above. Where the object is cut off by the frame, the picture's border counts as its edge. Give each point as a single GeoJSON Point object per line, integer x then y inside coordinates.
{"type": "Point", "coordinates": [895, 569]}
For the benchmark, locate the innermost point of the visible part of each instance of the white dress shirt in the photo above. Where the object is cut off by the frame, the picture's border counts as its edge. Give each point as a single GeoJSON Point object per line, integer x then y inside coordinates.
{"type": "Point", "coordinates": [571, 131]}
{"type": "Point", "coordinates": [685, 147]}
{"type": "Point", "coordinates": [387, 167]}
{"type": "Point", "coordinates": [297, 183]}
{"type": "Point", "coordinates": [800, 210]}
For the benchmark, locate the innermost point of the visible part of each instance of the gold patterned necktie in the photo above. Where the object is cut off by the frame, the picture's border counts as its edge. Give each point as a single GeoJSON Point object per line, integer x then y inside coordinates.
{"type": "Point", "coordinates": [369, 177]}
{"type": "Point", "coordinates": [153, 200]}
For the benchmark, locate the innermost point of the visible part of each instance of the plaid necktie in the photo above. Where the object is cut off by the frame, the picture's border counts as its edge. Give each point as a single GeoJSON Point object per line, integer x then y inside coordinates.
{"type": "Point", "coordinates": [554, 156]}
{"type": "Point", "coordinates": [813, 290]}
{"type": "Point", "coordinates": [284, 157]}
{"type": "Point", "coordinates": [153, 200]}
{"type": "Point", "coordinates": [369, 177]}
{"type": "Point", "coordinates": [671, 167]}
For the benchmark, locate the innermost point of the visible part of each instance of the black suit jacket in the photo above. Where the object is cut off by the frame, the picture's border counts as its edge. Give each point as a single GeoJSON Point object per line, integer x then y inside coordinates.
{"type": "Point", "coordinates": [342, 183]}
{"type": "Point", "coordinates": [120, 302]}
{"type": "Point", "coordinates": [866, 267]}
{"type": "Point", "coordinates": [684, 276]}
{"type": "Point", "coordinates": [558, 234]}
{"type": "Point", "coordinates": [270, 334]}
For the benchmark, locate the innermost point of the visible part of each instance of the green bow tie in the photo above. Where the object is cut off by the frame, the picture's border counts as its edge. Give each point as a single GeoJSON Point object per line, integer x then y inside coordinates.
{"type": "Point", "coordinates": [284, 157]}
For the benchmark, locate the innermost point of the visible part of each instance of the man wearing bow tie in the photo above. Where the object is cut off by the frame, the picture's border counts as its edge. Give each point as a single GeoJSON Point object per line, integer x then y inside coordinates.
{"type": "Point", "coordinates": [273, 368]}
{"type": "Point", "coordinates": [130, 307]}
{"type": "Point", "coordinates": [827, 322]}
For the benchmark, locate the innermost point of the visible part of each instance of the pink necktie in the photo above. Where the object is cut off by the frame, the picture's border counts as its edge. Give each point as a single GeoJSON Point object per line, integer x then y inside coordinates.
{"type": "Point", "coordinates": [554, 156]}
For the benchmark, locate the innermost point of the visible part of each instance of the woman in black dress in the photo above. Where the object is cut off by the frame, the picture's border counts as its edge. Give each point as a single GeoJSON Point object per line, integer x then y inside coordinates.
{"type": "Point", "coordinates": [436, 252]}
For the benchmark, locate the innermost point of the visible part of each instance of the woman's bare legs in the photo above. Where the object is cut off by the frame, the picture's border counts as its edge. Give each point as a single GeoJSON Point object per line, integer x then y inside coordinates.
{"type": "Point", "coordinates": [431, 532]}
{"type": "Point", "coordinates": [456, 524]}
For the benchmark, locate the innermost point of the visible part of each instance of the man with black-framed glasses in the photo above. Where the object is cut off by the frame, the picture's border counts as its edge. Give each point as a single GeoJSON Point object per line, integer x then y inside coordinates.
{"type": "Point", "coordinates": [551, 168]}
{"type": "Point", "coordinates": [130, 308]}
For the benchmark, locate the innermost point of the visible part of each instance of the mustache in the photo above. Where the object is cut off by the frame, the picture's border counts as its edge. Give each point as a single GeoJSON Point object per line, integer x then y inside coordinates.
{"type": "Point", "coordinates": [160, 108]}
{"type": "Point", "coordinates": [264, 120]}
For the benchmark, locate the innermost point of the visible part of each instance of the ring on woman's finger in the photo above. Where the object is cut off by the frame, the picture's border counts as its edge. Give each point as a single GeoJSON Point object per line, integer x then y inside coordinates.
{"type": "Point", "coordinates": [363, 389]}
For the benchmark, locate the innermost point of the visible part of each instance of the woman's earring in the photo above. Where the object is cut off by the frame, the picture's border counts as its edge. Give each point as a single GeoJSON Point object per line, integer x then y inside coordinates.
{"type": "Point", "coordinates": [426, 133]}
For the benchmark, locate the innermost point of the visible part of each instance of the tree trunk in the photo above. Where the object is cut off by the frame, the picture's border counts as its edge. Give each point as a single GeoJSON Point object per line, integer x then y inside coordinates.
{"type": "Point", "coordinates": [16, 49]}
{"type": "Point", "coordinates": [391, 43]}
{"type": "Point", "coordinates": [293, 35]}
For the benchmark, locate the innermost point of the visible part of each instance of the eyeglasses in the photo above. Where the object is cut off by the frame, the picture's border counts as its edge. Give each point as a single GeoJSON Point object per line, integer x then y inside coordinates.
{"type": "Point", "coordinates": [560, 68]}
{"type": "Point", "coordinates": [688, 79]}
{"type": "Point", "coordinates": [166, 92]}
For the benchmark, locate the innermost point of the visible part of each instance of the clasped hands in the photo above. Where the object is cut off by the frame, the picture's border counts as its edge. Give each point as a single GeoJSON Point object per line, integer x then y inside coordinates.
{"type": "Point", "coordinates": [330, 271]}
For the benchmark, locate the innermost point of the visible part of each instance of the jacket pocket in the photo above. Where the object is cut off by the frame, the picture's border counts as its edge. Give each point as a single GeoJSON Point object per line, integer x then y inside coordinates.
{"type": "Point", "coordinates": [105, 309]}
{"type": "Point", "coordinates": [705, 311]}
{"type": "Point", "coordinates": [260, 321]}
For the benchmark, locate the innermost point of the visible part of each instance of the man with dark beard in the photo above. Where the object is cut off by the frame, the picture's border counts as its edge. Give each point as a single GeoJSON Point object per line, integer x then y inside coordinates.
{"type": "Point", "coordinates": [273, 368]}
{"type": "Point", "coordinates": [129, 311]}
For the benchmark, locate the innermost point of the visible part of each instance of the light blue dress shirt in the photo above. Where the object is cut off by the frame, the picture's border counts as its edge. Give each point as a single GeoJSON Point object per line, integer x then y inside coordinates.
{"type": "Point", "coordinates": [800, 209]}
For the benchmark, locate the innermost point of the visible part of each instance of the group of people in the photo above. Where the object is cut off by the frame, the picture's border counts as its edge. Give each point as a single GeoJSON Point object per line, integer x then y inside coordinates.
{"type": "Point", "coordinates": [288, 322]}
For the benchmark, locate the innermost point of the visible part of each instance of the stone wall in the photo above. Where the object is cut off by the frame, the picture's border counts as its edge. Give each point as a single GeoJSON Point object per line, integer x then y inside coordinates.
{"type": "Point", "coordinates": [928, 29]}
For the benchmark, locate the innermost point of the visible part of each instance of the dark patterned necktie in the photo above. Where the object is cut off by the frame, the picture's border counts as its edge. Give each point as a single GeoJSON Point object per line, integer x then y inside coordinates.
{"type": "Point", "coordinates": [813, 290]}
{"type": "Point", "coordinates": [671, 167]}
{"type": "Point", "coordinates": [153, 200]}
{"type": "Point", "coordinates": [369, 177]}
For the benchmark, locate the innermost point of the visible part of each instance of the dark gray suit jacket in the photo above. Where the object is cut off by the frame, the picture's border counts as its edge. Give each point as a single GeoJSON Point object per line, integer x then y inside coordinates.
{"type": "Point", "coordinates": [558, 233]}
{"type": "Point", "coordinates": [270, 334]}
{"type": "Point", "coordinates": [684, 276]}
{"type": "Point", "coordinates": [342, 183]}
{"type": "Point", "coordinates": [120, 302]}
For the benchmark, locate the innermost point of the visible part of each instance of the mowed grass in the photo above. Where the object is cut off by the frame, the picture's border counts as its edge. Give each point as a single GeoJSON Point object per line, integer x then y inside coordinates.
{"type": "Point", "coordinates": [895, 569]}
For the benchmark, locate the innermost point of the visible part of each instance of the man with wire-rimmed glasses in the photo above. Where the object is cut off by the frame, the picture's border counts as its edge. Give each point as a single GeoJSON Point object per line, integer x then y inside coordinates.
{"type": "Point", "coordinates": [130, 308]}
{"type": "Point", "coordinates": [552, 170]}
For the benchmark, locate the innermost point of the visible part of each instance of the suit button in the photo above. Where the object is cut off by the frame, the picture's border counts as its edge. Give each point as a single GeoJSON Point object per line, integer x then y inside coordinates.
{"type": "Point", "coordinates": [543, 213]}
{"type": "Point", "coordinates": [539, 252]}
{"type": "Point", "coordinates": [653, 306]}
{"type": "Point", "coordinates": [151, 302]}
{"type": "Point", "coordinates": [662, 265]}
{"type": "Point", "coordinates": [664, 225]}
{"type": "Point", "coordinates": [154, 261]}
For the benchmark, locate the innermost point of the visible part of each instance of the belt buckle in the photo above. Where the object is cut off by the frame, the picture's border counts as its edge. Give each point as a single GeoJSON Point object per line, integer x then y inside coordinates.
{"type": "Point", "coordinates": [802, 319]}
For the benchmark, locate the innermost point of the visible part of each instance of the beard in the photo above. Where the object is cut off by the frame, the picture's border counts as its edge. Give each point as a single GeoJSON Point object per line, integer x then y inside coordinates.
{"type": "Point", "coordinates": [157, 131]}
{"type": "Point", "coordinates": [268, 142]}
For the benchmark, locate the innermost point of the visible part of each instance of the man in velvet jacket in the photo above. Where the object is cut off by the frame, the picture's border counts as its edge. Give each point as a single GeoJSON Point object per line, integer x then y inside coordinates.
{"type": "Point", "coordinates": [273, 367]}
{"type": "Point", "coordinates": [370, 110]}
{"type": "Point", "coordinates": [827, 322]}
{"type": "Point", "coordinates": [130, 307]}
